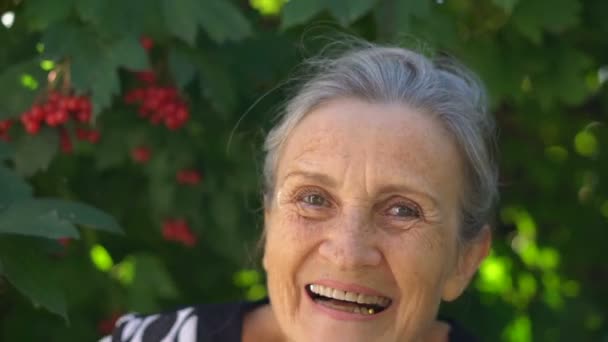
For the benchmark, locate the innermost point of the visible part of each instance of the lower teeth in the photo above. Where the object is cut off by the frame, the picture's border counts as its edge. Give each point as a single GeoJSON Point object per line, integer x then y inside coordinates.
{"type": "Point", "coordinates": [354, 309]}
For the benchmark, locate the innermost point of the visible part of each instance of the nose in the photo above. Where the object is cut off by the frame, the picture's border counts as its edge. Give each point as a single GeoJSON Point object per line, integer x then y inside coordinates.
{"type": "Point", "coordinates": [350, 244]}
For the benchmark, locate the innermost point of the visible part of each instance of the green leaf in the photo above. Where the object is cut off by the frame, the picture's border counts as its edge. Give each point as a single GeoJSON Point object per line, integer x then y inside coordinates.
{"type": "Point", "coordinates": [150, 270]}
{"type": "Point", "coordinates": [35, 152]}
{"type": "Point", "coordinates": [14, 188]}
{"type": "Point", "coordinates": [181, 66]}
{"type": "Point", "coordinates": [506, 5]}
{"type": "Point", "coordinates": [394, 18]}
{"type": "Point", "coordinates": [89, 10]}
{"type": "Point", "coordinates": [222, 21]}
{"type": "Point", "coordinates": [23, 218]}
{"type": "Point", "coordinates": [7, 151]}
{"type": "Point", "coordinates": [30, 272]}
{"type": "Point", "coordinates": [41, 13]}
{"type": "Point", "coordinates": [128, 52]}
{"type": "Point", "coordinates": [94, 61]}
{"type": "Point", "coordinates": [296, 12]}
{"type": "Point", "coordinates": [15, 98]}
{"type": "Point", "coordinates": [181, 17]}
{"type": "Point", "coordinates": [74, 212]}
{"type": "Point", "coordinates": [216, 85]}
{"type": "Point", "coordinates": [347, 11]}
{"type": "Point", "coordinates": [563, 15]}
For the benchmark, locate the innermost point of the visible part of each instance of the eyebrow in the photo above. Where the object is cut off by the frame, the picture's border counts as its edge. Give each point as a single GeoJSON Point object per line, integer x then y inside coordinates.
{"type": "Point", "coordinates": [332, 183]}
{"type": "Point", "coordinates": [319, 177]}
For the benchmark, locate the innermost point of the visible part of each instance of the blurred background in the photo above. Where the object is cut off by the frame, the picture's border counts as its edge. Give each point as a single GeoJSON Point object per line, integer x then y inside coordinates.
{"type": "Point", "coordinates": [130, 153]}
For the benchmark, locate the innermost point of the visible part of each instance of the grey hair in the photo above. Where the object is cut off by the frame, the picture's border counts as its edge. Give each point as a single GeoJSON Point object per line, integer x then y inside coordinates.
{"type": "Point", "coordinates": [440, 87]}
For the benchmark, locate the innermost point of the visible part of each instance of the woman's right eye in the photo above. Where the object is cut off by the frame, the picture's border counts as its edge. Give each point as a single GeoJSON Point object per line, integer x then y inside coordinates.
{"type": "Point", "coordinates": [314, 200]}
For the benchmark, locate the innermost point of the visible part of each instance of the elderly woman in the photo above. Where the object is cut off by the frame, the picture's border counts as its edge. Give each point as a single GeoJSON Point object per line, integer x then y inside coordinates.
{"type": "Point", "coordinates": [379, 184]}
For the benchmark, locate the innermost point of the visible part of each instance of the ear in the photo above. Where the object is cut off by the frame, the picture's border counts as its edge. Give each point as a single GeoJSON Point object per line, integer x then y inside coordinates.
{"type": "Point", "coordinates": [263, 238]}
{"type": "Point", "coordinates": [470, 257]}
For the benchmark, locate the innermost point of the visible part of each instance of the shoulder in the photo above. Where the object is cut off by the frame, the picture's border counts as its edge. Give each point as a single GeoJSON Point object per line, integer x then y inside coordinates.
{"type": "Point", "coordinates": [179, 325]}
{"type": "Point", "coordinates": [205, 322]}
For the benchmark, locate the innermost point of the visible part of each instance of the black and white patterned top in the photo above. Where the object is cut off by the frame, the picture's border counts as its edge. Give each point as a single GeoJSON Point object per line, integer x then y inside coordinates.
{"type": "Point", "coordinates": [207, 323]}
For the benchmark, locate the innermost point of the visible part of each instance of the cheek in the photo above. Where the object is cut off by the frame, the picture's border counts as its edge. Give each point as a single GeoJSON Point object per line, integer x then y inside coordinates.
{"type": "Point", "coordinates": [288, 244]}
{"type": "Point", "coordinates": [420, 261]}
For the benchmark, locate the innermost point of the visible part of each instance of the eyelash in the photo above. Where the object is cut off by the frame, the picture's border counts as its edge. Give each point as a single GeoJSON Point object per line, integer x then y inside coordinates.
{"type": "Point", "coordinates": [415, 211]}
{"type": "Point", "coordinates": [301, 194]}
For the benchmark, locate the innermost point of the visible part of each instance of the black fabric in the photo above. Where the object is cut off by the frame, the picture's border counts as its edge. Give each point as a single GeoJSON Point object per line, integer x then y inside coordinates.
{"type": "Point", "coordinates": [224, 323]}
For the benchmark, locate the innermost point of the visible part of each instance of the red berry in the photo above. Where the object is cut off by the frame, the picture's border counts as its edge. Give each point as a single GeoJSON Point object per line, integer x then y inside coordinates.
{"type": "Point", "coordinates": [83, 116]}
{"type": "Point", "coordinates": [62, 116]}
{"type": "Point", "coordinates": [83, 103]}
{"type": "Point", "coordinates": [49, 107]}
{"type": "Point", "coordinates": [141, 154]}
{"type": "Point", "coordinates": [106, 326]}
{"type": "Point", "coordinates": [64, 241]}
{"type": "Point", "coordinates": [65, 142]}
{"type": "Point", "coordinates": [71, 103]}
{"type": "Point", "coordinates": [94, 136]}
{"type": "Point", "coordinates": [146, 42]}
{"type": "Point", "coordinates": [32, 127]}
{"type": "Point", "coordinates": [178, 230]}
{"type": "Point", "coordinates": [37, 113]}
{"type": "Point", "coordinates": [54, 96]}
{"type": "Point", "coordinates": [5, 125]}
{"type": "Point", "coordinates": [147, 76]}
{"type": "Point", "coordinates": [188, 177]}
{"type": "Point", "coordinates": [81, 134]}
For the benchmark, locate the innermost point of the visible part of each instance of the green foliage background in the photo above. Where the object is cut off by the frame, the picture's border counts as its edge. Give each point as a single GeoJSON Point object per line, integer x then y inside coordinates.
{"type": "Point", "coordinates": [544, 62]}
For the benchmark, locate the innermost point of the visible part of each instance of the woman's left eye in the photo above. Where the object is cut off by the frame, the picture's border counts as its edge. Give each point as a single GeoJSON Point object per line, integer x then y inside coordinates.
{"type": "Point", "coordinates": [403, 211]}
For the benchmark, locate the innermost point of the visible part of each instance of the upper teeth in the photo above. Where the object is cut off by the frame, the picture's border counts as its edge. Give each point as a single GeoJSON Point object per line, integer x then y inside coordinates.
{"type": "Point", "coordinates": [349, 296]}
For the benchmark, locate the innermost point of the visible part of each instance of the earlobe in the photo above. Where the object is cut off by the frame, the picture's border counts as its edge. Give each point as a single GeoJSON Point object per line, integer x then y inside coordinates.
{"type": "Point", "coordinates": [474, 252]}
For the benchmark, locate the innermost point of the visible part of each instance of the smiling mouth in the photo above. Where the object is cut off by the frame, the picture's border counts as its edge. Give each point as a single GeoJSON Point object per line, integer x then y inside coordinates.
{"type": "Point", "coordinates": [347, 301]}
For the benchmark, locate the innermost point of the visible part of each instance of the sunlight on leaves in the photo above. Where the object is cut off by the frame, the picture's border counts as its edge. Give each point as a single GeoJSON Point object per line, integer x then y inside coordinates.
{"type": "Point", "coordinates": [246, 278]}
{"type": "Point", "coordinates": [256, 292]}
{"type": "Point", "coordinates": [268, 7]}
{"type": "Point", "coordinates": [101, 258]}
{"type": "Point", "coordinates": [494, 275]}
{"type": "Point", "coordinates": [519, 330]}
{"type": "Point", "coordinates": [29, 82]}
{"type": "Point", "coordinates": [47, 65]}
{"type": "Point", "coordinates": [8, 19]}
{"type": "Point", "coordinates": [585, 144]}
{"type": "Point", "coordinates": [552, 295]}
{"type": "Point", "coordinates": [556, 153]}
{"type": "Point", "coordinates": [124, 271]}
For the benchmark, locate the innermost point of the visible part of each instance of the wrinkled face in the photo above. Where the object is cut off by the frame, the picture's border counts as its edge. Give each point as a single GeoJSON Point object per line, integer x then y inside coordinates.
{"type": "Point", "coordinates": [363, 225]}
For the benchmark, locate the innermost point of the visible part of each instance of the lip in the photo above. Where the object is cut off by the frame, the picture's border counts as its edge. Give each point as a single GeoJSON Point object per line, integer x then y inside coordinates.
{"type": "Point", "coordinates": [343, 315]}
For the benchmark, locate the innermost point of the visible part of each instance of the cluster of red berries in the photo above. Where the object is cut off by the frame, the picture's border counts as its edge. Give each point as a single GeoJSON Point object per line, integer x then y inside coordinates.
{"type": "Point", "coordinates": [5, 126]}
{"type": "Point", "coordinates": [188, 177]}
{"type": "Point", "coordinates": [178, 230]}
{"type": "Point", "coordinates": [56, 112]}
{"type": "Point", "coordinates": [159, 104]}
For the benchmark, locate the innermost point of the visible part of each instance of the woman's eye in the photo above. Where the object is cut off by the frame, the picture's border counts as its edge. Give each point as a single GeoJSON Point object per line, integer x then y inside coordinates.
{"type": "Point", "coordinates": [314, 200]}
{"type": "Point", "coordinates": [403, 211]}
